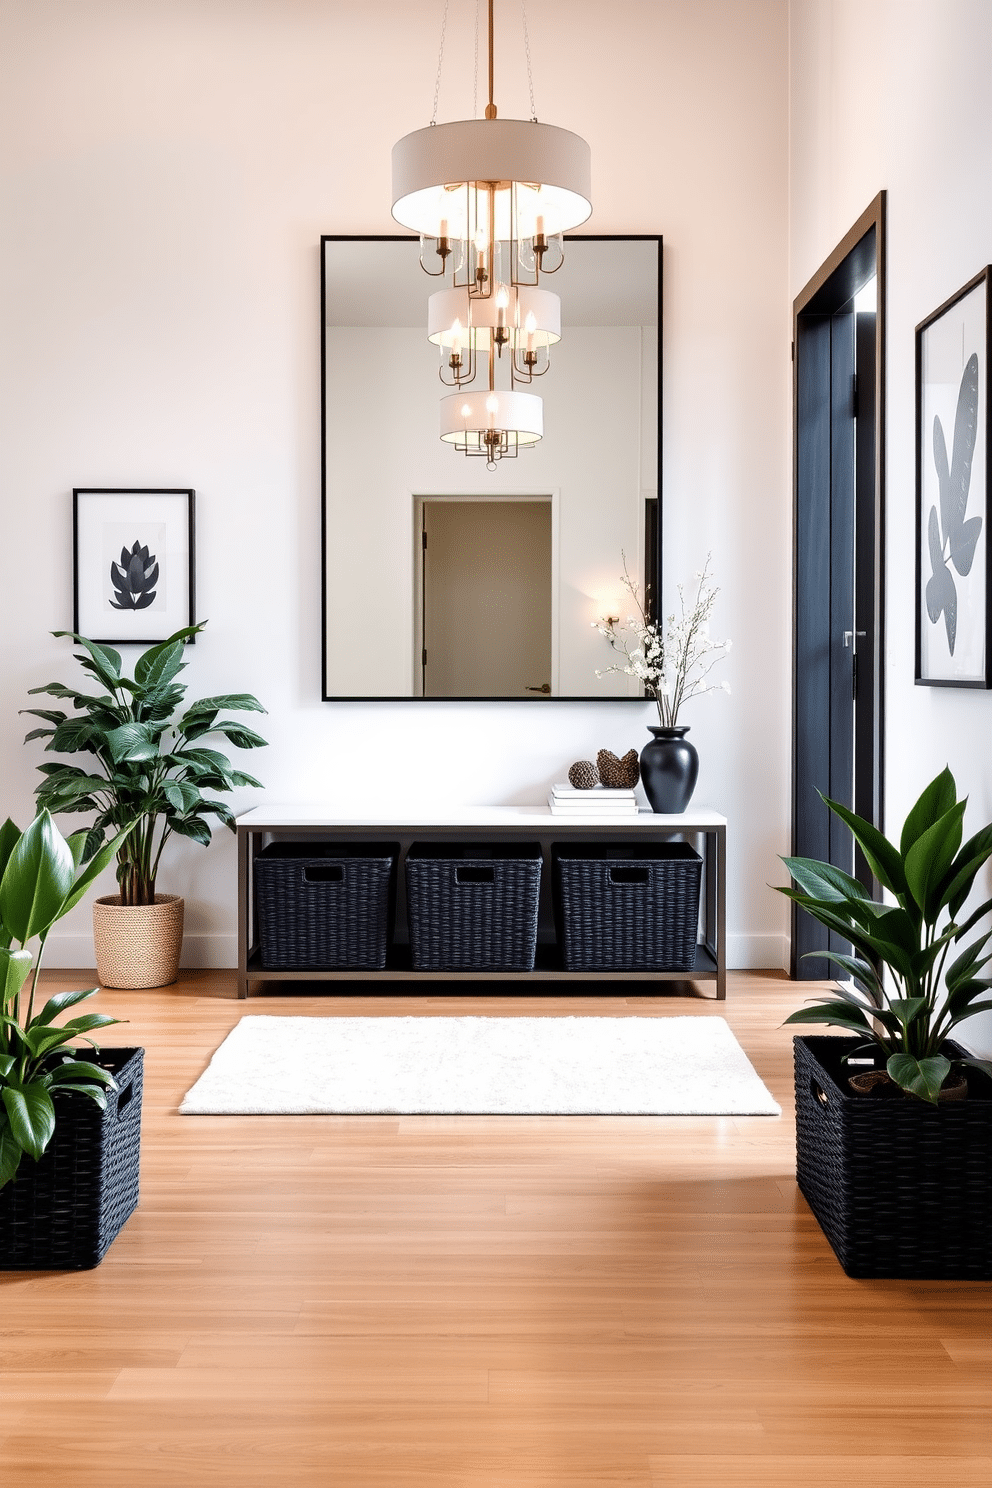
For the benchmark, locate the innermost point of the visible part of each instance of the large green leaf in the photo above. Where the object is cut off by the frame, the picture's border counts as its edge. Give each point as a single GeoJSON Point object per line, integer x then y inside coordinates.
{"type": "Point", "coordinates": [871, 946]}
{"type": "Point", "coordinates": [973, 919]}
{"type": "Point", "coordinates": [77, 734]}
{"type": "Point", "coordinates": [81, 1069]}
{"type": "Point", "coordinates": [863, 974]}
{"type": "Point", "coordinates": [907, 1009]}
{"type": "Point", "coordinates": [105, 661]}
{"type": "Point", "coordinates": [69, 784]}
{"type": "Point", "coordinates": [929, 858]}
{"type": "Point", "coordinates": [15, 967]}
{"type": "Point", "coordinates": [191, 826]}
{"type": "Point", "coordinates": [824, 882]}
{"type": "Point", "coordinates": [9, 837]}
{"type": "Point", "coordinates": [196, 725]}
{"type": "Point", "coordinates": [969, 960]}
{"type": "Point", "coordinates": [240, 737]}
{"type": "Point", "coordinates": [59, 1003]}
{"type": "Point", "coordinates": [966, 999]}
{"type": "Point", "coordinates": [10, 1151]}
{"type": "Point", "coordinates": [159, 664]}
{"type": "Point", "coordinates": [88, 1022]}
{"type": "Point", "coordinates": [921, 1077]}
{"type": "Point", "coordinates": [883, 859]}
{"type": "Point", "coordinates": [239, 701]}
{"type": "Point", "coordinates": [238, 777]}
{"type": "Point", "coordinates": [95, 867]}
{"type": "Point", "coordinates": [939, 797]}
{"type": "Point", "coordinates": [30, 1113]}
{"type": "Point", "coordinates": [180, 796]}
{"type": "Point", "coordinates": [961, 874]}
{"type": "Point", "coordinates": [218, 809]}
{"type": "Point", "coordinates": [36, 880]}
{"type": "Point", "coordinates": [132, 742]}
{"type": "Point", "coordinates": [840, 1014]}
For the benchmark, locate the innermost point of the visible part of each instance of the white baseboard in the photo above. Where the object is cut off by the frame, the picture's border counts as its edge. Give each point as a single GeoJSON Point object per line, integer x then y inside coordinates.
{"type": "Point", "coordinates": [744, 952]}
{"type": "Point", "coordinates": [199, 951]}
{"type": "Point", "coordinates": [757, 952]}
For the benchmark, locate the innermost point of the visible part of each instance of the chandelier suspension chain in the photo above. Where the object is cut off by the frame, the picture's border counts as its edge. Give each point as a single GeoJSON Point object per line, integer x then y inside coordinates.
{"type": "Point", "coordinates": [440, 59]}
{"type": "Point", "coordinates": [475, 73]}
{"type": "Point", "coordinates": [491, 106]}
{"type": "Point", "coordinates": [530, 74]}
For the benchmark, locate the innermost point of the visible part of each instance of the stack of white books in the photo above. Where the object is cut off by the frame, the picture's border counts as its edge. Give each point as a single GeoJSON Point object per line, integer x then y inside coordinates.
{"type": "Point", "coordinates": [565, 800]}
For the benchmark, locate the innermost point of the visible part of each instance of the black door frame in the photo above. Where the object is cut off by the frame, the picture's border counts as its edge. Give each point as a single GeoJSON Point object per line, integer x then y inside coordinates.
{"type": "Point", "coordinates": [856, 258]}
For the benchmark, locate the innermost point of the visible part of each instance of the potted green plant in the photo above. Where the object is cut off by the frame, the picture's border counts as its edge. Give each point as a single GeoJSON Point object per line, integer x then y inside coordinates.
{"type": "Point", "coordinates": [77, 1118]}
{"type": "Point", "coordinates": [149, 766]}
{"type": "Point", "coordinates": [900, 1185]}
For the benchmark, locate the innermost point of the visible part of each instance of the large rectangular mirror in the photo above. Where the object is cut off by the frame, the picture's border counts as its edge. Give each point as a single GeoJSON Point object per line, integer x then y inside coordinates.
{"type": "Point", "coordinates": [442, 579]}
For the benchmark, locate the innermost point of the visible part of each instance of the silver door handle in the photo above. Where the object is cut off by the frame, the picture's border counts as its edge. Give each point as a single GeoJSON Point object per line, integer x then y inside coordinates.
{"type": "Point", "coordinates": [850, 635]}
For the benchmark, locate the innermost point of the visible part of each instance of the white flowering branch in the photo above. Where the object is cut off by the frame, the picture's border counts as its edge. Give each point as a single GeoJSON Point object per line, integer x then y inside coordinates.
{"type": "Point", "coordinates": [673, 667]}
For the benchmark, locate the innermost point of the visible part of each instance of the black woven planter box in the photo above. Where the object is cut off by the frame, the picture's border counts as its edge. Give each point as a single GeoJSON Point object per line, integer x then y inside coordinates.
{"type": "Point", "coordinates": [473, 908]}
{"type": "Point", "coordinates": [63, 1212]}
{"type": "Point", "coordinates": [325, 906]}
{"type": "Point", "coordinates": [900, 1188]}
{"type": "Point", "coordinates": [630, 907]}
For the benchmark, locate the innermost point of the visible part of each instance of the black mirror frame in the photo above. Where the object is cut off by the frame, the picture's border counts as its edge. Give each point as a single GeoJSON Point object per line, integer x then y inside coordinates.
{"type": "Point", "coordinates": [655, 608]}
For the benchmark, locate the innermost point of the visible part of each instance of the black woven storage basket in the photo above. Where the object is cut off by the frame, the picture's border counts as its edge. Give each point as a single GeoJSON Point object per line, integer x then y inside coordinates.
{"type": "Point", "coordinates": [900, 1188]}
{"type": "Point", "coordinates": [325, 905]}
{"type": "Point", "coordinates": [63, 1212]}
{"type": "Point", "coordinates": [627, 907]}
{"type": "Point", "coordinates": [473, 908]}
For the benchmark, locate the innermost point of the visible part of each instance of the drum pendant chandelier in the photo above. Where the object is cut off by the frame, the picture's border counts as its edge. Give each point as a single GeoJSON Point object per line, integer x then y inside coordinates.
{"type": "Point", "coordinates": [490, 200]}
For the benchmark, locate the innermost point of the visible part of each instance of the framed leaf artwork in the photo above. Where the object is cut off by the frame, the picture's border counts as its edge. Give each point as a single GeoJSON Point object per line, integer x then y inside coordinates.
{"type": "Point", "coordinates": [953, 468]}
{"type": "Point", "coordinates": [132, 564]}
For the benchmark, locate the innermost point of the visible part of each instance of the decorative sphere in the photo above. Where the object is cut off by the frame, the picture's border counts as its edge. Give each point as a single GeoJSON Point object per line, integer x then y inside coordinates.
{"type": "Point", "coordinates": [583, 775]}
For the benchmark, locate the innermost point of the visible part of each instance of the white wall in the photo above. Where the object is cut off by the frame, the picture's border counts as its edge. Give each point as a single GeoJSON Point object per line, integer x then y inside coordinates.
{"type": "Point", "coordinates": [896, 94]}
{"type": "Point", "coordinates": [589, 462]}
{"type": "Point", "coordinates": [167, 169]}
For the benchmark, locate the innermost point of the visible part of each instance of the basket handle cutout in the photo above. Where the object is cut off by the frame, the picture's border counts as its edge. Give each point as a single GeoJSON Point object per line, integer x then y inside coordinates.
{"type": "Point", "coordinates": [620, 875]}
{"type": "Point", "coordinates": [323, 873]}
{"type": "Point", "coordinates": [475, 875]}
{"type": "Point", "coordinates": [124, 1098]}
{"type": "Point", "coordinates": [818, 1093]}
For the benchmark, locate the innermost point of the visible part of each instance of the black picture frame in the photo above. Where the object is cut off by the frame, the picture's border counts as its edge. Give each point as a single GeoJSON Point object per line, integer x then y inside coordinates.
{"type": "Point", "coordinates": [953, 485]}
{"type": "Point", "coordinates": [113, 603]}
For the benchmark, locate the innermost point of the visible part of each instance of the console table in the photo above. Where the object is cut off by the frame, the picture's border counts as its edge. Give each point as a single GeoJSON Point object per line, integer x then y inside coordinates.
{"type": "Point", "coordinates": [303, 822]}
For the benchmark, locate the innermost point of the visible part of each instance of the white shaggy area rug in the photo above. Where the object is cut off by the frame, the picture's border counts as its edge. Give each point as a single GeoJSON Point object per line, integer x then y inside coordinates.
{"type": "Point", "coordinates": [481, 1066]}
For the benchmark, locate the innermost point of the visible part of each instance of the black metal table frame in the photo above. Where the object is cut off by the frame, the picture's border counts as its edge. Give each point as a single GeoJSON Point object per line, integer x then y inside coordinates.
{"type": "Point", "coordinates": [711, 954]}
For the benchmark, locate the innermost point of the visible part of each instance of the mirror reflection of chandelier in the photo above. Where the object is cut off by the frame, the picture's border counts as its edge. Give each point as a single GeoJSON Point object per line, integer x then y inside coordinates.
{"type": "Point", "coordinates": [491, 199]}
{"type": "Point", "coordinates": [520, 321]}
{"type": "Point", "coordinates": [492, 424]}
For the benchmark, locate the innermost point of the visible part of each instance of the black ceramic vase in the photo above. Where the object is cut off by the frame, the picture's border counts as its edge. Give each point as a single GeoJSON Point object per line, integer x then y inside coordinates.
{"type": "Point", "coordinates": [669, 766]}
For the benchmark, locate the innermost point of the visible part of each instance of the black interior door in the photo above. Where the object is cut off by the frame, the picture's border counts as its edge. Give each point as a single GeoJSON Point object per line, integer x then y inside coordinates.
{"type": "Point", "coordinates": [837, 704]}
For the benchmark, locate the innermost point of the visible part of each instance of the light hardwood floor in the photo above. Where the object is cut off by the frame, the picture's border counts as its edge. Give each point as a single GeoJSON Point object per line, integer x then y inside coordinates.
{"type": "Point", "coordinates": [477, 1302]}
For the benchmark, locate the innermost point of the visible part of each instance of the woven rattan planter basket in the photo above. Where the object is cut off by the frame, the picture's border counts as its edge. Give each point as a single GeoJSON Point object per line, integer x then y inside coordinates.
{"type": "Point", "coordinates": [473, 908]}
{"type": "Point", "coordinates": [63, 1212]}
{"type": "Point", "coordinates": [900, 1188]}
{"type": "Point", "coordinates": [627, 907]}
{"type": "Point", "coordinates": [138, 945]}
{"type": "Point", "coordinates": [325, 905]}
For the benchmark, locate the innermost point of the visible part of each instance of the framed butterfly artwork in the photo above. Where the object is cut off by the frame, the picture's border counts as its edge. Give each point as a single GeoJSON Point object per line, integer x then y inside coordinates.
{"type": "Point", "coordinates": [132, 564]}
{"type": "Point", "coordinates": [953, 469]}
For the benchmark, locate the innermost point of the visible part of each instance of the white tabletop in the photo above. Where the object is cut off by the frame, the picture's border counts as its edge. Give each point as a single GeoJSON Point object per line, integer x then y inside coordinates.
{"type": "Point", "coordinates": [269, 816]}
